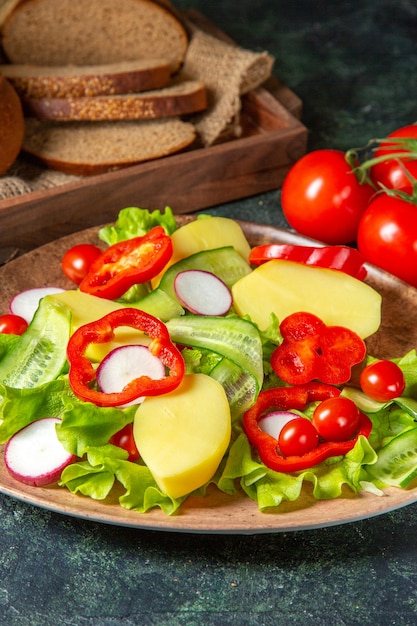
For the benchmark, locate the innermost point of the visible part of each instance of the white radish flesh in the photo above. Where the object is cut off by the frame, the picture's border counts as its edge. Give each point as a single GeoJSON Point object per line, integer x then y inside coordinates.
{"type": "Point", "coordinates": [26, 302]}
{"type": "Point", "coordinates": [202, 293]}
{"type": "Point", "coordinates": [124, 364]}
{"type": "Point", "coordinates": [272, 423]}
{"type": "Point", "coordinates": [35, 456]}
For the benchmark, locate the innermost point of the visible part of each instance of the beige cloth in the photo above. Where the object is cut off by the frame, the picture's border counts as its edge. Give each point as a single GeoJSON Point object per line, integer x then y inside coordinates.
{"type": "Point", "coordinates": [228, 72]}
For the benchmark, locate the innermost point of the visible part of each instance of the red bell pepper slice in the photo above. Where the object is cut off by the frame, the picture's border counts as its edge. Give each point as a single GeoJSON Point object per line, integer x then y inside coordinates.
{"type": "Point", "coordinates": [285, 399]}
{"type": "Point", "coordinates": [128, 263]}
{"type": "Point", "coordinates": [82, 373]}
{"type": "Point", "coordinates": [311, 350]}
{"type": "Point", "coordinates": [341, 258]}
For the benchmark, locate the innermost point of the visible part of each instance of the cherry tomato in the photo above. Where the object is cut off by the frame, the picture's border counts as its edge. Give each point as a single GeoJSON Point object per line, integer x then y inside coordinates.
{"type": "Point", "coordinates": [336, 419]}
{"type": "Point", "coordinates": [12, 324]}
{"type": "Point", "coordinates": [321, 197]}
{"type": "Point", "coordinates": [77, 261]}
{"type": "Point", "coordinates": [124, 439]}
{"type": "Point", "coordinates": [298, 437]}
{"type": "Point", "coordinates": [387, 236]}
{"type": "Point", "coordinates": [382, 381]}
{"type": "Point", "coordinates": [391, 172]}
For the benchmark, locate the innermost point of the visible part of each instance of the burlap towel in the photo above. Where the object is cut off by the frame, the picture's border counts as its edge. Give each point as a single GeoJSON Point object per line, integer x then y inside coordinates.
{"type": "Point", "coordinates": [228, 72]}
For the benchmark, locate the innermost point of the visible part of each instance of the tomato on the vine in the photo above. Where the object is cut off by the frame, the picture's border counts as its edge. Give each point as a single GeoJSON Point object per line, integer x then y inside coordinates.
{"type": "Point", "coordinates": [298, 437]}
{"type": "Point", "coordinates": [387, 236]}
{"type": "Point", "coordinates": [392, 172]}
{"type": "Point", "coordinates": [124, 439]}
{"type": "Point", "coordinates": [77, 261]}
{"type": "Point", "coordinates": [382, 380]}
{"type": "Point", "coordinates": [11, 324]}
{"type": "Point", "coordinates": [336, 419]}
{"type": "Point", "coordinates": [322, 198]}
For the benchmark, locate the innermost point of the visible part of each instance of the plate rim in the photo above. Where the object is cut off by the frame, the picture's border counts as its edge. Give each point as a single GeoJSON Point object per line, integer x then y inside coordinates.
{"type": "Point", "coordinates": [196, 514]}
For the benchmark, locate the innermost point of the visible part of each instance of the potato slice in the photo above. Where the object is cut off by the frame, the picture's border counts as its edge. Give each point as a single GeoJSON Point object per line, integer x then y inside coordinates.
{"type": "Point", "coordinates": [183, 435]}
{"type": "Point", "coordinates": [285, 287]}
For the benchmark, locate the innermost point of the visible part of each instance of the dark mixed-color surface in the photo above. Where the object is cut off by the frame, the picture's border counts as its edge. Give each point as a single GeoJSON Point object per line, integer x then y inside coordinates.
{"type": "Point", "coordinates": [354, 66]}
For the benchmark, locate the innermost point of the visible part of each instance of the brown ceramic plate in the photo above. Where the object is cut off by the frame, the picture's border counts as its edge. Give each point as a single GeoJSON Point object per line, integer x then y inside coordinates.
{"type": "Point", "coordinates": [217, 512]}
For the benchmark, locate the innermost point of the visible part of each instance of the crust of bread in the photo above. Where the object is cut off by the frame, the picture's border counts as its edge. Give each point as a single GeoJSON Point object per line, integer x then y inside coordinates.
{"type": "Point", "coordinates": [178, 99]}
{"type": "Point", "coordinates": [92, 33]}
{"type": "Point", "coordinates": [11, 125]}
{"type": "Point", "coordinates": [86, 81]}
{"type": "Point", "coordinates": [84, 149]}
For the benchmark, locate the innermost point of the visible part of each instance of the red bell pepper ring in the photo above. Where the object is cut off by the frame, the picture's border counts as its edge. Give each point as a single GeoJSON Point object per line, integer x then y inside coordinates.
{"type": "Point", "coordinates": [285, 399]}
{"type": "Point", "coordinates": [128, 263]}
{"type": "Point", "coordinates": [341, 258]}
{"type": "Point", "coordinates": [311, 350]}
{"type": "Point", "coordinates": [82, 373]}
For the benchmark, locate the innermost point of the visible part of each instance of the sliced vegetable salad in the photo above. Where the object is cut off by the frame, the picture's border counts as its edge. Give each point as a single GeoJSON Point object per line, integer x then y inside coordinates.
{"type": "Point", "coordinates": [269, 392]}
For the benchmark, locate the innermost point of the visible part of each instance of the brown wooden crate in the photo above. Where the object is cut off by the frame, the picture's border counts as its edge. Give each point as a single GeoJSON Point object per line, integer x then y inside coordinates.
{"type": "Point", "coordinates": [257, 162]}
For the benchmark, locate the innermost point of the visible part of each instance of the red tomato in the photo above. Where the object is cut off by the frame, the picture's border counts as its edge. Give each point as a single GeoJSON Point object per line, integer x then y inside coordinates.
{"type": "Point", "coordinates": [336, 419]}
{"type": "Point", "coordinates": [298, 437]}
{"type": "Point", "coordinates": [12, 324]}
{"type": "Point", "coordinates": [124, 439]}
{"type": "Point", "coordinates": [382, 381]}
{"type": "Point", "coordinates": [391, 172]}
{"type": "Point", "coordinates": [77, 261]}
{"type": "Point", "coordinates": [387, 236]}
{"type": "Point", "coordinates": [321, 198]}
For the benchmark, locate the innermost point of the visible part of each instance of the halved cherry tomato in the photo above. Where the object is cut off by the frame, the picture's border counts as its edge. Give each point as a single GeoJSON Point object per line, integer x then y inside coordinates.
{"type": "Point", "coordinates": [392, 173]}
{"type": "Point", "coordinates": [298, 437]}
{"type": "Point", "coordinates": [336, 419]}
{"type": "Point", "coordinates": [387, 236]}
{"type": "Point", "coordinates": [322, 198]}
{"type": "Point", "coordinates": [124, 439]}
{"type": "Point", "coordinates": [382, 381]}
{"type": "Point", "coordinates": [77, 261]}
{"type": "Point", "coordinates": [12, 324]}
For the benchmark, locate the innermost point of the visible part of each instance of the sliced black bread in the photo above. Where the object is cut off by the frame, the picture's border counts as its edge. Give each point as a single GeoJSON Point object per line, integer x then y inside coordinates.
{"type": "Point", "coordinates": [83, 148]}
{"type": "Point", "coordinates": [185, 97]}
{"type": "Point", "coordinates": [97, 32]}
{"type": "Point", "coordinates": [70, 81]}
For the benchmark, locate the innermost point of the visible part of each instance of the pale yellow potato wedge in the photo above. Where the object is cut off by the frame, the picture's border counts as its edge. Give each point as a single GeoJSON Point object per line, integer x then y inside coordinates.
{"type": "Point", "coordinates": [284, 287]}
{"type": "Point", "coordinates": [183, 435]}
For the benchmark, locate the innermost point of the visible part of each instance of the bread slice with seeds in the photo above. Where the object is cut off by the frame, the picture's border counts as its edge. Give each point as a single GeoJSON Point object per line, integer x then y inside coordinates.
{"type": "Point", "coordinates": [183, 98]}
{"type": "Point", "coordinates": [83, 148]}
{"type": "Point", "coordinates": [70, 81]}
{"type": "Point", "coordinates": [97, 32]}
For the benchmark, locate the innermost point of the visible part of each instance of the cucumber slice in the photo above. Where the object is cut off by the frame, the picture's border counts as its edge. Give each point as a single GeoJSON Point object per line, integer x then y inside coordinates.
{"type": "Point", "coordinates": [225, 263]}
{"type": "Point", "coordinates": [39, 356]}
{"type": "Point", "coordinates": [159, 304]}
{"type": "Point", "coordinates": [397, 461]}
{"type": "Point", "coordinates": [231, 337]}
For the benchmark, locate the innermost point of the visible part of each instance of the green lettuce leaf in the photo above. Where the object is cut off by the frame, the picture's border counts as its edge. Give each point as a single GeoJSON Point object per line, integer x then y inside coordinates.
{"type": "Point", "coordinates": [135, 222]}
{"type": "Point", "coordinates": [20, 407]}
{"type": "Point", "coordinates": [270, 489]}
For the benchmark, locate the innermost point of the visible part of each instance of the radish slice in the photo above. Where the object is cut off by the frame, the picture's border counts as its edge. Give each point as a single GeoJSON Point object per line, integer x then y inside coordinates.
{"type": "Point", "coordinates": [35, 456]}
{"type": "Point", "coordinates": [124, 364]}
{"type": "Point", "coordinates": [202, 293]}
{"type": "Point", "coordinates": [26, 302]}
{"type": "Point", "coordinates": [272, 423]}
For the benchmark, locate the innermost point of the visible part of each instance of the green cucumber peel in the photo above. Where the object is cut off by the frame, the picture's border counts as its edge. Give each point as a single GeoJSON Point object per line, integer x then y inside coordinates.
{"type": "Point", "coordinates": [232, 337]}
{"type": "Point", "coordinates": [396, 465]}
{"type": "Point", "coordinates": [39, 356]}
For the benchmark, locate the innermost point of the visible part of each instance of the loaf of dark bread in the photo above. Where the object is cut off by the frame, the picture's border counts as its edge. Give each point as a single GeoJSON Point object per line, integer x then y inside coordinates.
{"type": "Point", "coordinates": [11, 125]}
